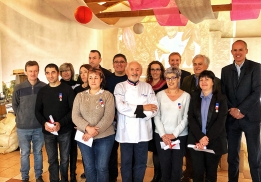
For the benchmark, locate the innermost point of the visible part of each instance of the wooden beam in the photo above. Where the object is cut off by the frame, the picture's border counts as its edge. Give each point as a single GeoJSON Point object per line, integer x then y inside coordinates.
{"type": "Point", "coordinates": [149, 12]}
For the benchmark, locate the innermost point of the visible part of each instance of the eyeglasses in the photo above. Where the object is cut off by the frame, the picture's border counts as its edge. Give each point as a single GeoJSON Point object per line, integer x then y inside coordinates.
{"type": "Point", "coordinates": [157, 70]}
{"type": "Point", "coordinates": [171, 78]}
{"type": "Point", "coordinates": [119, 62]}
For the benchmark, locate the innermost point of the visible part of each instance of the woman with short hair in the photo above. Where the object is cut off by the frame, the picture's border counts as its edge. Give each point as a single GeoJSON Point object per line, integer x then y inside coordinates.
{"type": "Point", "coordinates": [93, 114]}
{"type": "Point", "coordinates": [171, 125]}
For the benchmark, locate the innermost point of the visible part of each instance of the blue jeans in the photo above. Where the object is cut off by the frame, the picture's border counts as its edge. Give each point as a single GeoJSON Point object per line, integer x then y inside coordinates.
{"type": "Point", "coordinates": [25, 137]}
{"type": "Point", "coordinates": [96, 159]}
{"type": "Point", "coordinates": [64, 142]}
{"type": "Point", "coordinates": [133, 161]}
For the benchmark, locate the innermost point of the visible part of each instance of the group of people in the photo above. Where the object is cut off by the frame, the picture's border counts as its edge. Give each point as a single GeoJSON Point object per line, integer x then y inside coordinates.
{"type": "Point", "coordinates": [172, 114]}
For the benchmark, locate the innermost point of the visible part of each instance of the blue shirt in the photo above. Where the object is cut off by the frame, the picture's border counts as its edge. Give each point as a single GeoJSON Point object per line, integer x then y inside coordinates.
{"type": "Point", "coordinates": [205, 102]}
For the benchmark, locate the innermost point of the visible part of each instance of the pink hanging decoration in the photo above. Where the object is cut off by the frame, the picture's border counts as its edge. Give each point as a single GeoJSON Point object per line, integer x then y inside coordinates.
{"type": "Point", "coordinates": [245, 9]}
{"type": "Point", "coordinates": [145, 4]}
{"type": "Point", "coordinates": [170, 15]}
{"type": "Point", "coordinates": [129, 39]}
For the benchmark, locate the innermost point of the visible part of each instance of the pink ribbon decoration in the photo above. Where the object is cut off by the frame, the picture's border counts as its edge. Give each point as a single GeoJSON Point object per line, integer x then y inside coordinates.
{"type": "Point", "coordinates": [245, 9]}
{"type": "Point", "coordinates": [170, 15]}
{"type": "Point", "coordinates": [145, 4]}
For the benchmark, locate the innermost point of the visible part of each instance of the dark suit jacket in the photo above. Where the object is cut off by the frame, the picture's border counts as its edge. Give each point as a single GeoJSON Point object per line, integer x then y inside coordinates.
{"type": "Point", "coordinates": [183, 75]}
{"type": "Point", "coordinates": [215, 128]}
{"type": "Point", "coordinates": [189, 84]}
{"type": "Point", "coordinates": [243, 93]}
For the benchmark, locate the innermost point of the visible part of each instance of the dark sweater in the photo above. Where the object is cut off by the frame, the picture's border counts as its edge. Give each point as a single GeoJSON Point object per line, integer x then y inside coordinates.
{"type": "Point", "coordinates": [113, 80]}
{"type": "Point", "coordinates": [23, 103]}
{"type": "Point", "coordinates": [79, 89]}
{"type": "Point", "coordinates": [48, 103]}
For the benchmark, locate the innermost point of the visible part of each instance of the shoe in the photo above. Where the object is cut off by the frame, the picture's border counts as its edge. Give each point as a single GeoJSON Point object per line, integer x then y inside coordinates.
{"type": "Point", "coordinates": [185, 179]}
{"type": "Point", "coordinates": [73, 179]}
{"type": "Point", "coordinates": [83, 176]}
{"type": "Point", "coordinates": [156, 178]}
{"type": "Point", "coordinates": [113, 180]}
{"type": "Point", "coordinates": [25, 180]}
{"type": "Point", "coordinates": [40, 179]}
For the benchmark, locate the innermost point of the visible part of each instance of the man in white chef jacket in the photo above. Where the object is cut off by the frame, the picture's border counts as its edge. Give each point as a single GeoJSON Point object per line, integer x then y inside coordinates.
{"type": "Point", "coordinates": [136, 104]}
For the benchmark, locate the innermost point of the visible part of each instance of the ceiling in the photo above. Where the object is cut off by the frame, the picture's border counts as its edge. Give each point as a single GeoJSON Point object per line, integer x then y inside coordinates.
{"type": "Point", "coordinates": [111, 10]}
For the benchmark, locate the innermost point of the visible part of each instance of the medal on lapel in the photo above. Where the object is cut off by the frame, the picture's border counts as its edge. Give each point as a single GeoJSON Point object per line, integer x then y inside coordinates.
{"type": "Point", "coordinates": [217, 105]}
{"type": "Point", "coordinates": [61, 96]}
{"type": "Point", "coordinates": [179, 105]}
{"type": "Point", "coordinates": [101, 102]}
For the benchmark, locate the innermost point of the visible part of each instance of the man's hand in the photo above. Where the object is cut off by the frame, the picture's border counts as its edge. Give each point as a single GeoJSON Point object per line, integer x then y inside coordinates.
{"type": "Point", "coordinates": [92, 130]}
{"type": "Point", "coordinates": [150, 107]}
{"type": "Point", "coordinates": [235, 112]}
{"type": "Point", "coordinates": [57, 126]}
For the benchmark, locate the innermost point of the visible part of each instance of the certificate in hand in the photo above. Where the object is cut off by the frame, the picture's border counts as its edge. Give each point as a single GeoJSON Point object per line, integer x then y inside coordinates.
{"type": "Point", "coordinates": [174, 145]}
{"type": "Point", "coordinates": [202, 150]}
{"type": "Point", "coordinates": [78, 137]}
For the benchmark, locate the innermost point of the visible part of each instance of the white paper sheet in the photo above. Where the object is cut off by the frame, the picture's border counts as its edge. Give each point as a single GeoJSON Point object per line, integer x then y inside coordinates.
{"type": "Point", "coordinates": [78, 137]}
{"type": "Point", "coordinates": [202, 150]}
{"type": "Point", "coordinates": [175, 143]}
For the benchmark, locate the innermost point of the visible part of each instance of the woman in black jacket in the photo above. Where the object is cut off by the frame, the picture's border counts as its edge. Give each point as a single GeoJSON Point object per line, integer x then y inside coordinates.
{"type": "Point", "coordinates": [207, 117]}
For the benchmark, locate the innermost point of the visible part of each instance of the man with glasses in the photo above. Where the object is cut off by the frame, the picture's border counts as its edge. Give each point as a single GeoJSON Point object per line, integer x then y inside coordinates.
{"type": "Point", "coordinates": [119, 75]}
{"type": "Point", "coordinates": [190, 85]}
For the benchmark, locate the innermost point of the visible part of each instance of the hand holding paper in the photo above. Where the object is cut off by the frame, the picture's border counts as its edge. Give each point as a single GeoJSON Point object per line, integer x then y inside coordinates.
{"type": "Point", "coordinates": [79, 138]}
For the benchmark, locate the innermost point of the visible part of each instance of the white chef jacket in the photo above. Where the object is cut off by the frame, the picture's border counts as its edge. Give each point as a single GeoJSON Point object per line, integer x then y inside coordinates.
{"type": "Point", "coordinates": [127, 96]}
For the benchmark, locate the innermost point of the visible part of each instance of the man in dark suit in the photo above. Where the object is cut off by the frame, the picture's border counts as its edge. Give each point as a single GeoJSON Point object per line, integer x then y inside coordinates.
{"type": "Point", "coordinates": [241, 83]}
{"type": "Point", "coordinates": [190, 84]}
{"type": "Point", "coordinates": [174, 61]}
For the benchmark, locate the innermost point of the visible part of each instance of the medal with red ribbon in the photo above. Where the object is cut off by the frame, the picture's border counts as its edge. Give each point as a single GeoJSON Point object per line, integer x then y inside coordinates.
{"type": "Point", "coordinates": [179, 105]}
{"type": "Point", "coordinates": [101, 102]}
{"type": "Point", "coordinates": [61, 96]}
{"type": "Point", "coordinates": [216, 108]}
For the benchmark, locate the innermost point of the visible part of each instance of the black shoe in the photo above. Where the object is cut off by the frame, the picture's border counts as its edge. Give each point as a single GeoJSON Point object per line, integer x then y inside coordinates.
{"type": "Point", "coordinates": [83, 176]}
{"type": "Point", "coordinates": [25, 180]}
{"type": "Point", "coordinates": [156, 178]}
{"type": "Point", "coordinates": [40, 179]}
{"type": "Point", "coordinates": [113, 180]}
{"type": "Point", "coordinates": [185, 179]}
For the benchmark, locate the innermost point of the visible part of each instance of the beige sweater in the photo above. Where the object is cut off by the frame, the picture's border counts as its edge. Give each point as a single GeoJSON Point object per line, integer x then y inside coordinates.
{"type": "Point", "coordinates": [94, 110]}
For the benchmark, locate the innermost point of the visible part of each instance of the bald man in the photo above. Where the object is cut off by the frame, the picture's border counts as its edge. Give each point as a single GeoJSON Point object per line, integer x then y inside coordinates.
{"type": "Point", "coordinates": [136, 104]}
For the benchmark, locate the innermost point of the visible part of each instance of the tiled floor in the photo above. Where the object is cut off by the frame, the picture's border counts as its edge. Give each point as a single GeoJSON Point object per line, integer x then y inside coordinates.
{"type": "Point", "coordinates": [10, 170]}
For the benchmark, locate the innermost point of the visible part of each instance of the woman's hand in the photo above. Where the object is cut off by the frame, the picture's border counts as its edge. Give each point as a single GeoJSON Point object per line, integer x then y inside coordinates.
{"type": "Point", "coordinates": [170, 136]}
{"type": "Point", "coordinates": [92, 130]}
{"type": "Point", "coordinates": [86, 137]}
{"type": "Point", "coordinates": [204, 141]}
{"type": "Point", "coordinates": [166, 139]}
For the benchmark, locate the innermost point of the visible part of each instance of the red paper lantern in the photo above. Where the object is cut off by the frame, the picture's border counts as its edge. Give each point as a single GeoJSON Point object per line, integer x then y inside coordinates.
{"type": "Point", "coordinates": [83, 14]}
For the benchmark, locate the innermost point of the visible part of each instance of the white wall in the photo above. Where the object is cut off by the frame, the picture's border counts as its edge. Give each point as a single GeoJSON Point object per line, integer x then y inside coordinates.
{"type": "Point", "coordinates": [32, 30]}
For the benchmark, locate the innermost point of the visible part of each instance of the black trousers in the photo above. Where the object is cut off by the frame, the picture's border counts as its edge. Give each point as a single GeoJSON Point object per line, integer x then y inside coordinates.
{"type": "Point", "coordinates": [171, 160]}
{"type": "Point", "coordinates": [204, 165]}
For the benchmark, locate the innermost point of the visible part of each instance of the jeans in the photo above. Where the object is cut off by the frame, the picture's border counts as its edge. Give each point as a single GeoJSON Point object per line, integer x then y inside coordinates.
{"type": "Point", "coordinates": [96, 158]}
{"type": "Point", "coordinates": [25, 137]}
{"type": "Point", "coordinates": [133, 161]}
{"type": "Point", "coordinates": [171, 160]}
{"type": "Point", "coordinates": [64, 142]}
